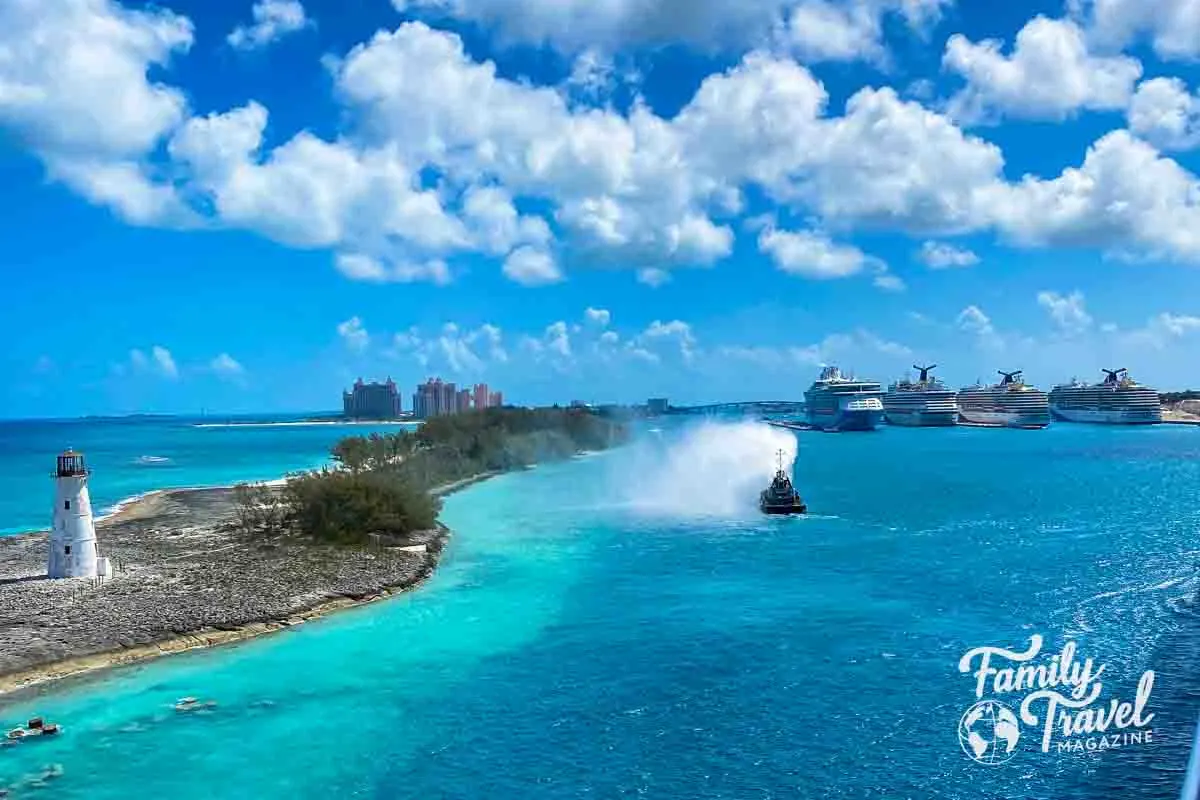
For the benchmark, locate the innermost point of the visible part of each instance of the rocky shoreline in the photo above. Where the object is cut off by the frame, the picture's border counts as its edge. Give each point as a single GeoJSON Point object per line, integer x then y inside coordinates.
{"type": "Point", "coordinates": [185, 577]}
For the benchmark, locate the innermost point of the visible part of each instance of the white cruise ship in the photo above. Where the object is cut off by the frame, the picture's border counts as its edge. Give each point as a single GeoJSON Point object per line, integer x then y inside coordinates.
{"type": "Point", "coordinates": [924, 403]}
{"type": "Point", "coordinates": [1011, 403]}
{"type": "Point", "coordinates": [838, 403]}
{"type": "Point", "coordinates": [1118, 400]}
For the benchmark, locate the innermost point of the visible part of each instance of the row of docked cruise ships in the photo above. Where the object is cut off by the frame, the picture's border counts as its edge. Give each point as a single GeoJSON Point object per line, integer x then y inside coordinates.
{"type": "Point", "coordinates": [839, 402]}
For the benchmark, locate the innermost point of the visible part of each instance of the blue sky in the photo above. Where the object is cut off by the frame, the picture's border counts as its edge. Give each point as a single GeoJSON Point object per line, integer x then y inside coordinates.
{"type": "Point", "coordinates": [242, 206]}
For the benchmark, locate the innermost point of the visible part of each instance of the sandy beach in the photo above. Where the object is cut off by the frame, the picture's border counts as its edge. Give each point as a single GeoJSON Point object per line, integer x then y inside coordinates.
{"type": "Point", "coordinates": [186, 577]}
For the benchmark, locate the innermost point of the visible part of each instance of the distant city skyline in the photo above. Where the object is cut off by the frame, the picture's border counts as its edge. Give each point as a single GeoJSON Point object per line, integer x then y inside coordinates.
{"type": "Point", "coordinates": [240, 212]}
{"type": "Point", "coordinates": [436, 398]}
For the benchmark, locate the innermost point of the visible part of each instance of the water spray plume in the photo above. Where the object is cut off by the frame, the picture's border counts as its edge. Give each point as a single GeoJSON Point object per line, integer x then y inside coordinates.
{"type": "Point", "coordinates": [709, 469]}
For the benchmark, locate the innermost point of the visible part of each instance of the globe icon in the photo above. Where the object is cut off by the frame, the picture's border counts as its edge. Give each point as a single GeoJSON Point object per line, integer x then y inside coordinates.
{"type": "Point", "coordinates": [988, 732]}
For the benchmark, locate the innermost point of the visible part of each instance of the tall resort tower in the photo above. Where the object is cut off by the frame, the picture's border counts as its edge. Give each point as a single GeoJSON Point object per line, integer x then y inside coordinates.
{"type": "Point", "coordinates": [73, 549]}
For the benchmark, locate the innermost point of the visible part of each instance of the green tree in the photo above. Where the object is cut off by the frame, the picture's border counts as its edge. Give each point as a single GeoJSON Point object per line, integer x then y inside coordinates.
{"type": "Point", "coordinates": [383, 482]}
{"type": "Point", "coordinates": [346, 508]}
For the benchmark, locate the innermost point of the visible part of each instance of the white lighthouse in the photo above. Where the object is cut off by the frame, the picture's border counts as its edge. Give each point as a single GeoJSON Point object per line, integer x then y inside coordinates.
{"type": "Point", "coordinates": [73, 549]}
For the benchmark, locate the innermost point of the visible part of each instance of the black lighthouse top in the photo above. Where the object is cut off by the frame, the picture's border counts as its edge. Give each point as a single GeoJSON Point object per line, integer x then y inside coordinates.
{"type": "Point", "coordinates": [71, 465]}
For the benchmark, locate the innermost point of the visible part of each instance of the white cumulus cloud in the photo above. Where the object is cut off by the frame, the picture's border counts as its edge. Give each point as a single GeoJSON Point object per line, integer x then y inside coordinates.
{"type": "Point", "coordinates": [811, 254]}
{"type": "Point", "coordinates": [273, 19]}
{"type": "Point", "coordinates": [1172, 27]}
{"type": "Point", "coordinates": [164, 361]}
{"type": "Point", "coordinates": [226, 365]}
{"type": "Point", "coordinates": [312, 193]}
{"type": "Point", "coordinates": [354, 334]}
{"type": "Point", "coordinates": [598, 316]}
{"type": "Point", "coordinates": [529, 266]}
{"type": "Point", "coordinates": [939, 255]}
{"type": "Point", "coordinates": [653, 277]}
{"type": "Point", "coordinates": [816, 30]}
{"type": "Point", "coordinates": [1125, 197]}
{"type": "Point", "coordinates": [973, 320]}
{"type": "Point", "coordinates": [158, 362]}
{"type": "Point", "coordinates": [1050, 74]}
{"type": "Point", "coordinates": [1160, 331]}
{"type": "Point", "coordinates": [75, 89]}
{"type": "Point", "coordinates": [1165, 114]}
{"type": "Point", "coordinates": [676, 331]}
{"type": "Point", "coordinates": [1067, 311]}
{"type": "Point", "coordinates": [463, 352]}
{"type": "Point", "coordinates": [852, 30]}
{"type": "Point", "coordinates": [440, 156]}
{"type": "Point", "coordinates": [889, 282]}
{"type": "Point", "coordinates": [372, 270]}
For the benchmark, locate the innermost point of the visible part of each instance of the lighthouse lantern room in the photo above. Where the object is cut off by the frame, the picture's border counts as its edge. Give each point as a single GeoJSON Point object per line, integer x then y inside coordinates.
{"type": "Point", "coordinates": [73, 549]}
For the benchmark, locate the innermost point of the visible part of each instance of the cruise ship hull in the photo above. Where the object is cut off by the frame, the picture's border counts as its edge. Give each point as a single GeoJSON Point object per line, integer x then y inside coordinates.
{"type": "Point", "coordinates": [1006, 419]}
{"type": "Point", "coordinates": [1108, 416]}
{"type": "Point", "coordinates": [837, 403]}
{"type": "Point", "coordinates": [847, 420]}
{"type": "Point", "coordinates": [915, 418]}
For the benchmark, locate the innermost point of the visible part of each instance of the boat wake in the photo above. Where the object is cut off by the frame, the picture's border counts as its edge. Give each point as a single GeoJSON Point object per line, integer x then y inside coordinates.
{"type": "Point", "coordinates": [709, 470]}
{"type": "Point", "coordinates": [148, 460]}
{"type": "Point", "coordinates": [1088, 611]}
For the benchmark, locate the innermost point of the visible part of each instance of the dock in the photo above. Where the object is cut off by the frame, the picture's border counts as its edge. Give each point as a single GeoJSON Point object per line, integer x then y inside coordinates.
{"type": "Point", "coordinates": [791, 426]}
{"type": "Point", "coordinates": [804, 426]}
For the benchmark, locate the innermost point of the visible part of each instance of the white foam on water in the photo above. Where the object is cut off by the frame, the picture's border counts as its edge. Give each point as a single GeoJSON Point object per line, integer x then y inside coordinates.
{"type": "Point", "coordinates": [709, 469]}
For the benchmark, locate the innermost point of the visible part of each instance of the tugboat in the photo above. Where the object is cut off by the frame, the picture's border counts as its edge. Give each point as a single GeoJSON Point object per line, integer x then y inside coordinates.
{"type": "Point", "coordinates": [781, 497]}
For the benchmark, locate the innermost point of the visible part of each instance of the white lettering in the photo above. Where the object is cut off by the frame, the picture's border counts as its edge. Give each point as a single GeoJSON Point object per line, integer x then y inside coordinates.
{"type": "Point", "coordinates": [1054, 700]}
{"type": "Point", "coordinates": [1145, 684]}
{"type": "Point", "coordinates": [1068, 710]}
{"type": "Point", "coordinates": [985, 669]}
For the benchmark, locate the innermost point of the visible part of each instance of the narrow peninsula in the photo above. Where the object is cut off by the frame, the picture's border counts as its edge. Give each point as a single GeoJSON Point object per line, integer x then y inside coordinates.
{"type": "Point", "coordinates": [198, 567]}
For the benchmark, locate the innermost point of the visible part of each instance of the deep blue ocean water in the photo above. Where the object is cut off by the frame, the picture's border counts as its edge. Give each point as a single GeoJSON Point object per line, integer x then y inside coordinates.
{"type": "Point", "coordinates": [626, 625]}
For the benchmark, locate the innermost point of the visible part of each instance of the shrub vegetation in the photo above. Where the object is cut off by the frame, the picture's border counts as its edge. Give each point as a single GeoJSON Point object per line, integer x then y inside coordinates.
{"type": "Point", "coordinates": [384, 483]}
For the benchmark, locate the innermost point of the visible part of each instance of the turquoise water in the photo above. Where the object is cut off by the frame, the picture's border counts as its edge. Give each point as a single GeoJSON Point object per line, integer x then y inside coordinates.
{"type": "Point", "coordinates": [582, 640]}
{"type": "Point", "coordinates": [137, 455]}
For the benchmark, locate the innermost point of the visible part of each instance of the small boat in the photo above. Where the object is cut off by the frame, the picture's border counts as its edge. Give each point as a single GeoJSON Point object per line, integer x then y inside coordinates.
{"type": "Point", "coordinates": [192, 704]}
{"type": "Point", "coordinates": [35, 727]}
{"type": "Point", "coordinates": [781, 496]}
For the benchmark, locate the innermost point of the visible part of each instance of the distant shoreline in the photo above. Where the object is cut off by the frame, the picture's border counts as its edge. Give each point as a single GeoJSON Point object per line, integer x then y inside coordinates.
{"type": "Point", "coordinates": [196, 514]}
{"type": "Point", "coordinates": [308, 423]}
